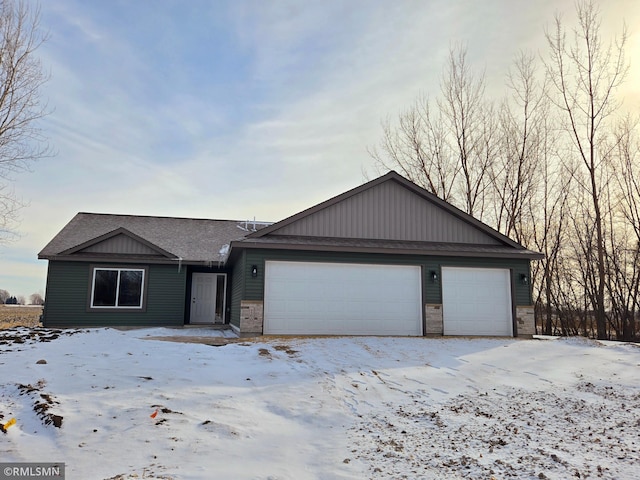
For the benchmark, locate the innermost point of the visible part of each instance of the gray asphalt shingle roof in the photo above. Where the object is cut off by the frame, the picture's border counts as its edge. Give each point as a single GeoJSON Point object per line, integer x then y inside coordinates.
{"type": "Point", "coordinates": [191, 239]}
{"type": "Point", "coordinates": [201, 240]}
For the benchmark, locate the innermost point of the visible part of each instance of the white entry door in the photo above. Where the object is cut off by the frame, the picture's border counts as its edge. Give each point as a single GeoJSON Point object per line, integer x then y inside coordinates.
{"type": "Point", "coordinates": [342, 299]}
{"type": "Point", "coordinates": [477, 301]}
{"type": "Point", "coordinates": [208, 293]}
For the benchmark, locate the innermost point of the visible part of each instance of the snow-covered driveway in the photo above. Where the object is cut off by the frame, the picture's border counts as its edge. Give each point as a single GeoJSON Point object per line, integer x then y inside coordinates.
{"type": "Point", "coordinates": [321, 408]}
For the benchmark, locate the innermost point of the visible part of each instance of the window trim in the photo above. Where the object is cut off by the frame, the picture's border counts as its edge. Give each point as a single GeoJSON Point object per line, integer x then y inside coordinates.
{"type": "Point", "coordinates": [119, 268]}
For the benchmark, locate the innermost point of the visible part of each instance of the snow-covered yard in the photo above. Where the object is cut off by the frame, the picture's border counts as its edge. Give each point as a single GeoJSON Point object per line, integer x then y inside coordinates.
{"type": "Point", "coordinates": [319, 408]}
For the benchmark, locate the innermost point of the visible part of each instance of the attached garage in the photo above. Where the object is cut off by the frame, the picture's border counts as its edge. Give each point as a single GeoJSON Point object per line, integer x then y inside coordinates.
{"type": "Point", "coordinates": [385, 258]}
{"type": "Point", "coordinates": [477, 301]}
{"type": "Point", "coordinates": [342, 299]}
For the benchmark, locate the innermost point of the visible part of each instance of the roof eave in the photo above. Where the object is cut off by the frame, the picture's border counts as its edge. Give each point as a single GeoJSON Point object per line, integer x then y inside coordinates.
{"type": "Point", "coordinates": [129, 260]}
{"type": "Point", "coordinates": [516, 253]}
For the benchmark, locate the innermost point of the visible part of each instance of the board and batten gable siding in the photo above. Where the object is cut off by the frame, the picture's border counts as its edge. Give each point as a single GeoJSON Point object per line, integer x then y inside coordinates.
{"type": "Point", "coordinates": [432, 292]}
{"type": "Point", "coordinates": [121, 244]}
{"type": "Point", "coordinates": [68, 287]}
{"type": "Point", "coordinates": [387, 211]}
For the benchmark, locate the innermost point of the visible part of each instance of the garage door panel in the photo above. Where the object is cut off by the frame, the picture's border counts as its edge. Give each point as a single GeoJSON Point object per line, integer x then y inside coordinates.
{"type": "Point", "coordinates": [476, 301]}
{"type": "Point", "coordinates": [344, 299]}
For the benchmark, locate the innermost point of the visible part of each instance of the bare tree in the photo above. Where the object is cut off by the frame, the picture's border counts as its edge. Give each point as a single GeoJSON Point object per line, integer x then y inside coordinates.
{"type": "Point", "coordinates": [585, 75]}
{"type": "Point", "coordinates": [547, 232]}
{"type": "Point", "coordinates": [36, 299]}
{"type": "Point", "coordinates": [21, 79]}
{"type": "Point", "coordinates": [4, 296]}
{"type": "Point", "coordinates": [623, 261]}
{"type": "Point", "coordinates": [552, 168]}
{"type": "Point", "coordinates": [471, 123]}
{"type": "Point", "coordinates": [418, 148]}
{"type": "Point", "coordinates": [524, 134]}
{"type": "Point", "coordinates": [627, 143]}
{"type": "Point", "coordinates": [447, 146]}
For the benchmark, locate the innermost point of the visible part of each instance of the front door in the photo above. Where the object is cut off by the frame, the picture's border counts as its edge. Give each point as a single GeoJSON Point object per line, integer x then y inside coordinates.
{"type": "Point", "coordinates": [208, 294]}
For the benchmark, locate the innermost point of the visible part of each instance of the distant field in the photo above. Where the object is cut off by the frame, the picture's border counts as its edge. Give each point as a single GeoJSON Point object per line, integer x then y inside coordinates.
{"type": "Point", "coordinates": [19, 316]}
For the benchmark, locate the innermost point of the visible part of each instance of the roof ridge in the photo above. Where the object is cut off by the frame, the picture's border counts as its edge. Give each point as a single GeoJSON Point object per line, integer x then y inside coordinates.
{"type": "Point", "coordinates": [170, 217]}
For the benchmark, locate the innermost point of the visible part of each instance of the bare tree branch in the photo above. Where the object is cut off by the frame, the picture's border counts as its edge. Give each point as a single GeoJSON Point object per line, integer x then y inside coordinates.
{"type": "Point", "coordinates": [21, 80]}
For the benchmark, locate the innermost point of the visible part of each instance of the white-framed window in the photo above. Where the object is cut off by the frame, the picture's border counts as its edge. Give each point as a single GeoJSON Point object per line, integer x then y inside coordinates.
{"type": "Point", "coordinates": [119, 288]}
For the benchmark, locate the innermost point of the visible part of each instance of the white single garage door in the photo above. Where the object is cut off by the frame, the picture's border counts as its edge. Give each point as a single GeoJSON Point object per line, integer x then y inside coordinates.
{"type": "Point", "coordinates": [342, 299]}
{"type": "Point", "coordinates": [476, 301]}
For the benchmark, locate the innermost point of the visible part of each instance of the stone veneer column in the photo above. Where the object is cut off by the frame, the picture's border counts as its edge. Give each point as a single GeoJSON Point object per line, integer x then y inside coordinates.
{"type": "Point", "coordinates": [433, 319]}
{"type": "Point", "coordinates": [525, 320]}
{"type": "Point", "coordinates": [251, 317]}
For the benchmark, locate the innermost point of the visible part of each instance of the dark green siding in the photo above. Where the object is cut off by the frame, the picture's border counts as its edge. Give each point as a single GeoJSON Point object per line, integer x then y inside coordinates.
{"type": "Point", "coordinates": [237, 288]}
{"type": "Point", "coordinates": [68, 285]}
{"type": "Point", "coordinates": [254, 287]}
{"type": "Point", "coordinates": [432, 293]}
{"type": "Point", "coordinates": [68, 288]}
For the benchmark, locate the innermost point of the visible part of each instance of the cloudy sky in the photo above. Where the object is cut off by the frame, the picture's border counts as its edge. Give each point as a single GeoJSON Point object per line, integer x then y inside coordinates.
{"type": "Point", "coordinates": [241, 109]}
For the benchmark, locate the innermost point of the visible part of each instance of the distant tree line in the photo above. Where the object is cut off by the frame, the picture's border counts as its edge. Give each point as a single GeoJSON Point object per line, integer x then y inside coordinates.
{"type": "Point", "coordinates": [7, 299]}
{"type": "Point", "coordinates": [11, 301]}
{"type": "Point", "coordinates": [554, 164]}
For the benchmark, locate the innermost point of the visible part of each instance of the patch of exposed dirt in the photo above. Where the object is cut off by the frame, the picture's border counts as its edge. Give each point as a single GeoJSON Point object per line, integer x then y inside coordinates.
{"type": "Point", "coordinates": [152, 471]}
{"type": "Point", "coordinates": [264, 352]}
{"type": "Point", "coordinates": [287, 349]}
{"type": "Point", "coordinates": [212, 341]}
{"type": "Point", "coordinates": [164, 410]}
{"type": "Point", "coordinates": [466, 437]}
{"type": "Point", "coordinates": [42, 403]}
{"type": "Point", "coordinates": [17, 336]}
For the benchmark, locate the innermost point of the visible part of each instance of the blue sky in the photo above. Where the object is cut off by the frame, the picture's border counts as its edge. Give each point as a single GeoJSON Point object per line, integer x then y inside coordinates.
{"type": "Point", "coordinates": [243, 109]}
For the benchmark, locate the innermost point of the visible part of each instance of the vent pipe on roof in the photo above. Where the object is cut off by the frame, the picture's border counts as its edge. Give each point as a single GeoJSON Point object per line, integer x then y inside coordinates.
{"type": "Point", "coordinates": [252, 225]}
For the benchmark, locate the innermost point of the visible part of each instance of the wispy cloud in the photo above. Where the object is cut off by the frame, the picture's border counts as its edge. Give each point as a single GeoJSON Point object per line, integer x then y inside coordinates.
{"type": "Point", "coordinates": [239, 109]}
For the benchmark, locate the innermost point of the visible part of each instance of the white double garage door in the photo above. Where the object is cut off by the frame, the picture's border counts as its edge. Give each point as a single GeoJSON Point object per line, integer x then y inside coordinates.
{"type": "Point", "coordinates": [310, 298]}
